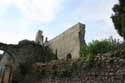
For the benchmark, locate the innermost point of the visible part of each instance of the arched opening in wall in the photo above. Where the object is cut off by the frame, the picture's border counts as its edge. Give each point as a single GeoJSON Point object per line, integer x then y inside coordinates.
{"type": "Point", "coordinates": [1, 54]}
{"type": "Point", "coordinates": [69, 56]}
{"type": "Point", "coordinates": [7, 58]}
{"type": "Point", "coordinates": [5, 68]}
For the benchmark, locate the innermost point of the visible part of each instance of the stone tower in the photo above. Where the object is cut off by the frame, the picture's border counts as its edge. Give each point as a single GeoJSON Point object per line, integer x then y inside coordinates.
{"type": "Point", "coordinates": [39, 37]}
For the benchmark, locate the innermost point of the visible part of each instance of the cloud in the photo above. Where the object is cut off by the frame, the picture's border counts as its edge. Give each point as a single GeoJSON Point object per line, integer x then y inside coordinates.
{"type": "Point", "coordinates": [38, 10]}
{"type": "Point", "coordinates": [4, 5]}
{"type": "Point", "coordinates": [97, 19]}
{"type": "Point", "coordinates": [5, 2]}
{"type": "Point", "coordinates": [95, 15]}
{"type": "Point", "coordinates": [42, 10]}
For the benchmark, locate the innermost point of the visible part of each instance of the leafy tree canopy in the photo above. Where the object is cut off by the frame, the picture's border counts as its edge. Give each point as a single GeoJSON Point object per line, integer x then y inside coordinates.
{"type": "Point", "coordinates": [118, 16]}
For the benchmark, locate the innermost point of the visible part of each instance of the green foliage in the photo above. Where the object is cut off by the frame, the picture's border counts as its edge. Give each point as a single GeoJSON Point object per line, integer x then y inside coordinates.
{"type": "Point", "coordinates": [85, 52]}
{"type": "Point", "coordinates": [117, 18]}
{"type": "Point", "coordinates": [99, 47]}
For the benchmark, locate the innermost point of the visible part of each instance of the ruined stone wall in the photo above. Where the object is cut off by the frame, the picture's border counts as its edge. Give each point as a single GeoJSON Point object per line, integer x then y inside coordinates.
{"type": "Point", "coordinates": [68, 43]}
{"type": "Point", "coordinates": [21, 56]}
{"type": "Point", "coordinates": [103, 68]}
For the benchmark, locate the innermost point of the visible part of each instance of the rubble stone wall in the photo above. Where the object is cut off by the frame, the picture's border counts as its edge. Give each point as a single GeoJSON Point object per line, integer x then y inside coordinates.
{"type": "Point", "coordinates": [104, 68]}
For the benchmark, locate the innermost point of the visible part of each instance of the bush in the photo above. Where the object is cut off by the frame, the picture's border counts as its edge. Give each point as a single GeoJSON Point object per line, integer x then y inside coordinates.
{"type": "Point", "coordinates": [103, 46]}
{"type": "Point", "coordinates": [100, 46]}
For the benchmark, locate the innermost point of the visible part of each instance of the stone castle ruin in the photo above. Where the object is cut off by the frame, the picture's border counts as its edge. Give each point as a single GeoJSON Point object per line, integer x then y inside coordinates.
{"type": "Point", "coordinates": [36, 62]}
{"type": "Point", "coordinates": [67, 44]}
{"type": "Point", "coordinates": [18, 57]}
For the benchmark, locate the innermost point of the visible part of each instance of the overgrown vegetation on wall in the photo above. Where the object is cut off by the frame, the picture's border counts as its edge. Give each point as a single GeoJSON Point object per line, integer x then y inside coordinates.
{"type": "Point", "coordinates": [100, 47]}
{"type": "Point", "coordinates": [103, 68]}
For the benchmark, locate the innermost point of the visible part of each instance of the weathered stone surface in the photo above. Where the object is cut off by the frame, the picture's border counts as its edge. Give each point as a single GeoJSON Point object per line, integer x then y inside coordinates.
{"type": "Point", "coordinates": [104, 68]}
{"type": "Point", "coordinates": [67, 44]}
{"type": "Point", "coordinates": [22, 56]}
{"type": "Point", "coordinates": [39, 37]}
{"type": "Point", "coordinates": [27, 51]}
{"type": "Point", "coordinates": [25, 59]}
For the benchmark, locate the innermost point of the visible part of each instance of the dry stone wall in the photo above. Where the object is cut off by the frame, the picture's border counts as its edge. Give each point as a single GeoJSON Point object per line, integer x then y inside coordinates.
{"type": "Point", "coordinates": [104, 68]}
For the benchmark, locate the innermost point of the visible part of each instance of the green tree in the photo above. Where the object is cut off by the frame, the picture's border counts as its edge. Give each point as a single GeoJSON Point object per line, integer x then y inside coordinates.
{"type": "Point", "coordinates": [118, 16]}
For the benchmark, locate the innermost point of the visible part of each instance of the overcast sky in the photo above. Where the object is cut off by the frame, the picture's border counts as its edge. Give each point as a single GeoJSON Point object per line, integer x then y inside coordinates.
{"type": "Point", "coordinates": [21, 19]}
